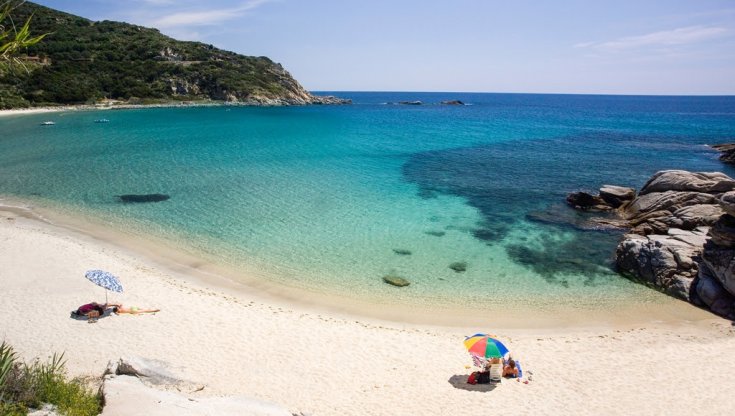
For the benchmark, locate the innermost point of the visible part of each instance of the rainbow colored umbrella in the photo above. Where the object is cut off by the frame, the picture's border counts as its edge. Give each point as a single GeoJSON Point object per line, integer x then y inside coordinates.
{"type": "Point", "coordinates": [485, 346]}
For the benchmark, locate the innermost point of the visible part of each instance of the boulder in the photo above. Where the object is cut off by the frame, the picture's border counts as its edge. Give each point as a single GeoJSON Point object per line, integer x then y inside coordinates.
{"type": "Point", "coordinates": [151, 371]}
{"type": "Point", "coordinates": [722, 233]}
{"type": "Point", "coordinates": [710, 293]}
{"type": "Point", "coordinates": [452, 102]}
{"type": "Point", "coordinates": [127, 395]}
{"type": "Point", "coordinates": [410, 102]}
{"type": "Point", "coordinates": [684, 181]}
{"type": "Point", "coordinates": [682, 234]}
{"type": "Point", "coordinates": [727, 202]}
{"type": "Point", "coordinates": [666, 201]}
{"type": "Point", "coordinates": [667, 262]}
{"type": "Point", "coordinates": [728, 152]}
{"type": "Point", "coordinates": [720, 262]}
{"type": "Point", "coordinates": [694, 216]}
{"type": "Point", "coordinates": [616, 195]}
{"type": "Point", "coordinates": [586, 201]}
{"type": "Point", "coordinates": [396, 281]}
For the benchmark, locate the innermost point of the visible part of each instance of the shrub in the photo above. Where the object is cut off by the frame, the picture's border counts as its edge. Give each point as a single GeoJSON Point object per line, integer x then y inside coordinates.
{"type": "Point", "coordinates": [24, 386]}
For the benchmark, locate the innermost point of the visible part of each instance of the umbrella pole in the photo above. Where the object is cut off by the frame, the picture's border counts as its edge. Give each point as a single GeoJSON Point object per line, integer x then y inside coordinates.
{"type": "Point", "coordinates": [105, 296]}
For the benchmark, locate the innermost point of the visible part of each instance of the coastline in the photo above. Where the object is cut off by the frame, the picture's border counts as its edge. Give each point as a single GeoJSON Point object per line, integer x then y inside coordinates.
{"type": "Point", "coordinates": [99, 107]}
{"type": "Point", "coordinates": [258, 102]}
{"type": "Point", "coordinates": [190, 264]}
{"type": "Point", "coordinates": [234, 341]}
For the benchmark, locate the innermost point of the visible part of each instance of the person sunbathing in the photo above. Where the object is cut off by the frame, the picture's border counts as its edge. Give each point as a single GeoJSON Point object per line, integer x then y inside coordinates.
{"type": "Point", "coordinates": [510, 369]}
{"type": "Point", "coordinates": [119, 308]}
{"type": "Point", "coordinates": [91, 311]}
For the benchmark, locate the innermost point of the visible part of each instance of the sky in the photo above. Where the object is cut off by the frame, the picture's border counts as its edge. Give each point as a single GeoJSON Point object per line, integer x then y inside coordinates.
{"type": "Point", "coordinates": [670, 47]}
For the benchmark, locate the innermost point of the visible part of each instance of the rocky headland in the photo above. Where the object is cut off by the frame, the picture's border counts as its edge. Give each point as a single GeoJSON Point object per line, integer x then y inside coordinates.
{"type": "Point", "coordinates": [81, 61]}
{"type": "Point", "coordinates": [680, 234]}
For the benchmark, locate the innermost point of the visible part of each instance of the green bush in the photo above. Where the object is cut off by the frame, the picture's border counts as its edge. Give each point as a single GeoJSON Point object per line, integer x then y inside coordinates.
{"type": "Point", "coordinates": [24, 386]}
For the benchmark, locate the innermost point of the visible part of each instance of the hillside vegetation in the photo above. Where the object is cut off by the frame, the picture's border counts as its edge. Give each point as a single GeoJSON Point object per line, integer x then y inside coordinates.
{"type": "Point", "coordinates": [81, 61]}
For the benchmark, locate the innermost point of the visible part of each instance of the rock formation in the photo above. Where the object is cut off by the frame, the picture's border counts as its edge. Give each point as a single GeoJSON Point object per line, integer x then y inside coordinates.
{"type": "Point", "coordinates": [143, 387]}
{"type": "Point", "coordinates": [458, 266]}
{"type": "Point", "coordinates": [681, 236]}
{"type": "Point", "coordinates": [728, 152]}
{"type": "Point", "coordinates": [143, 198]}
{"type": "Point", "coordinates": [396, 280]}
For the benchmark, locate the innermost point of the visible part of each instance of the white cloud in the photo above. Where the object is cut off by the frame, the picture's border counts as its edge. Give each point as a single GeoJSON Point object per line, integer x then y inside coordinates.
{"type": "Point", "coordinates": [679, 36]}
{"type": "Point", "coordinates": [205, 17]}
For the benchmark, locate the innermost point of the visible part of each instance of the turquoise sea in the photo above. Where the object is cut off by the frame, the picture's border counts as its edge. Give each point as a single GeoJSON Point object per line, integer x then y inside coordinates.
{"type": "Point", "coordinates": [330, 199]}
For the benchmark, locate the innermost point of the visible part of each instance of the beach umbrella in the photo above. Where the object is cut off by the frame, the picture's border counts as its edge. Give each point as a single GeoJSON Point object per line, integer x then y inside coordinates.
{"type": "Point", "coordinates": [104, 279]}
{"type": "Point", "coordinates": [485, 346]}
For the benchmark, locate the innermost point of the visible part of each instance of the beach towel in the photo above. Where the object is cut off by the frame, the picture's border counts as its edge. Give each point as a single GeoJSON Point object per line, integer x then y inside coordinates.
{"type": "Point", "coordinates": [479, 362]}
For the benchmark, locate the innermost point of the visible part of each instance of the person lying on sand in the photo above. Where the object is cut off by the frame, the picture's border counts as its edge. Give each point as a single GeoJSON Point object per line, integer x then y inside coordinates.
{"type": "Point", "coordinates": [119, 308]}
{"type": "Point", "coordinates": [91, 311]}
{"type": "Point", "coordinates": [510, 369]}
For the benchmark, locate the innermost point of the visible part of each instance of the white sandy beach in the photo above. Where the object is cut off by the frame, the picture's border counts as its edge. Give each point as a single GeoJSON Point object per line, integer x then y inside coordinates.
{"type": "Point", "coordinates": [234, 341]}
{"type": "Point", "coordinates": [35, 110]}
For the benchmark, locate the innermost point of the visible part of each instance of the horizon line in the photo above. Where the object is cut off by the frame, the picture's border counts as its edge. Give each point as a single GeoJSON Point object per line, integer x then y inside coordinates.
{"type": "Point", "coordinates": [527, 93]}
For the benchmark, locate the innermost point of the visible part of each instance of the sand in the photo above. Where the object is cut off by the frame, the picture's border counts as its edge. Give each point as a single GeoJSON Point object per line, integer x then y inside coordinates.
{"type": "Point", "coordinates": [35, 110]}
{"type": "Point", "coordinates": [234, 340]}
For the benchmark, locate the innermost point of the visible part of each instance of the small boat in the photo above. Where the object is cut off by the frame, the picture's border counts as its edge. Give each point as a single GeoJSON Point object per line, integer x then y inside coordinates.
{"type": "Point", "coordinates": [47, 123]}
{"type": "Point", "coordinates": [102, 120]}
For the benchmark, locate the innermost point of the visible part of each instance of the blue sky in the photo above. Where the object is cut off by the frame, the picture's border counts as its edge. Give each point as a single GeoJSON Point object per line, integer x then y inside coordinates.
{"type": "Point", "coordinates": [562, 46]}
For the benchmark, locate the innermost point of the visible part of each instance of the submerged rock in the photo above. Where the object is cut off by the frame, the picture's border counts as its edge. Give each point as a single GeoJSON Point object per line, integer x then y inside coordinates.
{"type": "Point", "coordinates": [458, 266]}
{"type": "Point", "coordinates": [452, 102]}
{"type": "Point", "coordinates": [402, 251]}
{"type": "Point", "coordinates": [143, 198]}
{"type": "Point", "coordinates": [587, 201]}
{"type": "Point", "coordinates": [417, 102]}
{"type": "Point", "coordinates": [435, 233]}
{"type": "Point", "coordinates": [396, 281]}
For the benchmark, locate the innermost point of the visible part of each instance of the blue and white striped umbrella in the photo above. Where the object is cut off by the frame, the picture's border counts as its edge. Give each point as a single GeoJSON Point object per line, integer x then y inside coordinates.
{"type": "Point", "coordinates": [104, 279]}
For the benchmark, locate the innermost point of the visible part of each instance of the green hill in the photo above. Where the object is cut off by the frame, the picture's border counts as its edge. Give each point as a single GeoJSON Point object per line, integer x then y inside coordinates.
{"type": "Point", "coordinates": [84, 62]}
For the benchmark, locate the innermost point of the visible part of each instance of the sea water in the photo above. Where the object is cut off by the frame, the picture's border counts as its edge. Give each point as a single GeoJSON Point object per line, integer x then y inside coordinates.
{"type": "Point", "coordinates": [331, 199]}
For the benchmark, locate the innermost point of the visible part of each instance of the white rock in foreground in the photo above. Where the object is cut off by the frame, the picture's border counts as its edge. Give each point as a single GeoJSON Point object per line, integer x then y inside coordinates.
{"type": "Point", "coordinates": [127, 395]}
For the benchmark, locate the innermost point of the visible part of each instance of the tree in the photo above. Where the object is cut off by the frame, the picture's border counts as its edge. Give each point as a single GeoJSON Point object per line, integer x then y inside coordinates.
{"type": "Point", "coordinates": [13, 40]}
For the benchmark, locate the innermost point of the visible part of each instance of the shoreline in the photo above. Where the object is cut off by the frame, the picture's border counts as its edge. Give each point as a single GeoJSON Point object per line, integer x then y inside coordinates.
{"type": "Point", "coordinates": [101, 107]}
{"type": "Point", "coordinates": [190, 265]}
{"type": "Point", "coordinates": [317, 100]}
{"type": "Point", "coordinates": [233, 341]}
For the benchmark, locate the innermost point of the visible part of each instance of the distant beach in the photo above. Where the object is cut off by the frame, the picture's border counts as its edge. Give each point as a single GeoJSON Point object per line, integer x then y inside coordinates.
{"type": "Point", "coordinates": [110, 106]}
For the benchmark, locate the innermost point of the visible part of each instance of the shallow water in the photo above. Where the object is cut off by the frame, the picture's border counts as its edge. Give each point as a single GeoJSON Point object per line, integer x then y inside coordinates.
{"type": "Point", "coordinates": [331, 199]}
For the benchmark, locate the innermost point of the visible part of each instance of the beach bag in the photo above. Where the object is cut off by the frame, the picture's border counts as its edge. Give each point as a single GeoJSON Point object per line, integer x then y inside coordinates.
{"type": "Point", "coordinates": [472, 379]}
